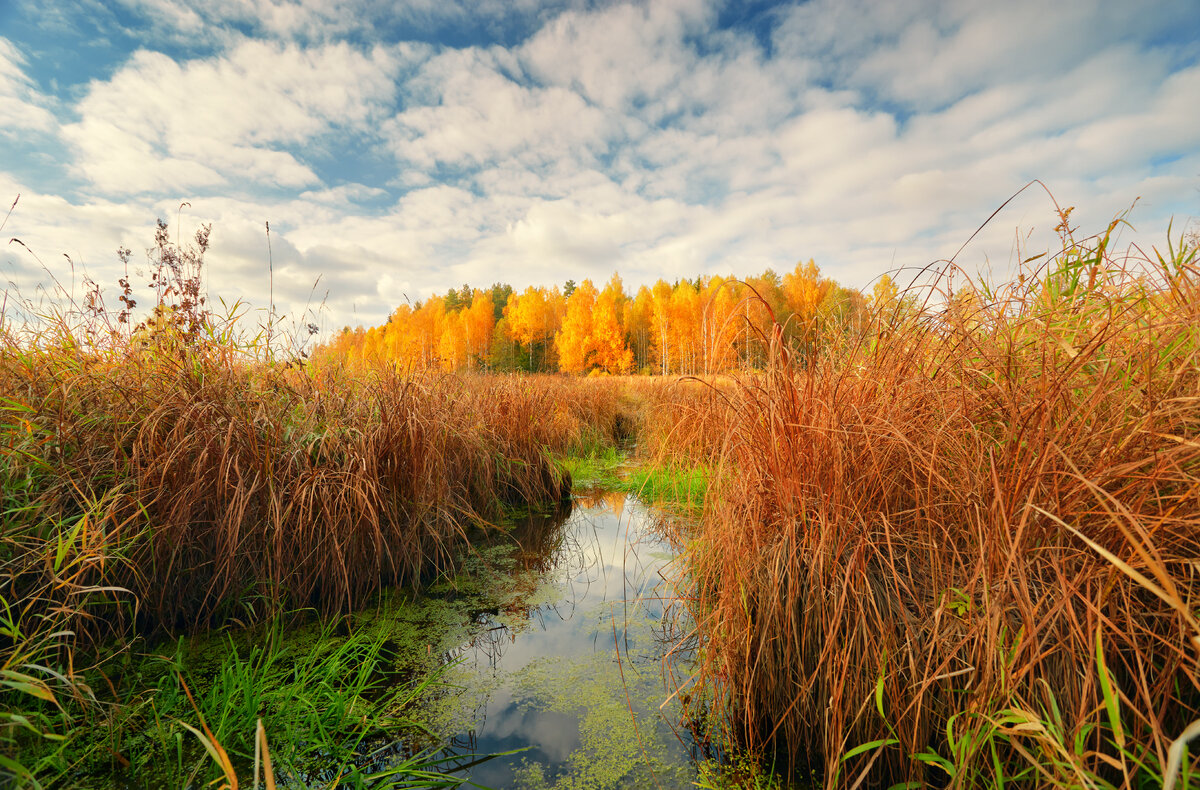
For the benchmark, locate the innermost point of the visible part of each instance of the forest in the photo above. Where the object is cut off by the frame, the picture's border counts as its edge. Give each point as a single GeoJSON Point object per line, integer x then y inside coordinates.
{"type": "Point", "coordinates": [709, 325]}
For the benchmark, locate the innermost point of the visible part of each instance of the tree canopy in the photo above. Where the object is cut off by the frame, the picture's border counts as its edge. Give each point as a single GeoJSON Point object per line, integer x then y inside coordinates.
{"type": "Point", "coordinates": [708, 325]}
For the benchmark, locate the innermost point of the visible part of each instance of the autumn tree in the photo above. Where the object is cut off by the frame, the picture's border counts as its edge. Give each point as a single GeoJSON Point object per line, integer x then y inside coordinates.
{"type": "Point", "coordinates": [804, 290]}
{"type": "Point", "coordinates": [452, 344]}
{"type": "Point", "coordinates": [709, 324]}
{"type": "Point", "coordinates": [576, 348]}
{"type": "Point", "coordinates": [612, 353]}
{"type": "Point", "coordinates": [660, 309]}
{"type": "Point", "coordinates": [763, 304]}
{"type": "Point", "coordinates": [478, 322]}
{"type": "Point", "coordinates": [534, 318]}
{"type": "Point", "coordinates": [719, 324]}
{"type": "Point", "coordinates": [686, 343]}
{"type": "Point", "coordinates": [884, 294]}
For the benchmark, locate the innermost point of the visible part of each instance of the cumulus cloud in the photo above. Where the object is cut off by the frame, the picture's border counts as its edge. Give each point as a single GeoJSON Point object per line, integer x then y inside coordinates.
{"type": "Point", "coordinates": [235, 119]}
{"type": "Point", "coordinates": [214, 22]}
{"type": "Point", "coordinates": [570, 140]}
{"type": "Point", "coordinates": [930, 53]}
{"type": "Point", "coordinates": [476, 114]}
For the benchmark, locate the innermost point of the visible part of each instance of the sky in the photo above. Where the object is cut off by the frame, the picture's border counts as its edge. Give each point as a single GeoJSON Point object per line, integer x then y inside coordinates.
{"type": "Point", "coordinates": [401, 149]}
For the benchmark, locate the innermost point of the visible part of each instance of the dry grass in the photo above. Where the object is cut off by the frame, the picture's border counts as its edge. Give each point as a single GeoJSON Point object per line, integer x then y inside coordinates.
{"type": "Point", "coordinates": [972, 541]}
{"type": "Point", "coordinates": [581, 415]}
{"type": "Point", "coordinates": [960, 548]}
{"type": "Point", "coordinates": [685, 421]}
{"type": "Point", "coordinates": [210, 490]}
{"type": "Point", "coordinates": [187, 477]}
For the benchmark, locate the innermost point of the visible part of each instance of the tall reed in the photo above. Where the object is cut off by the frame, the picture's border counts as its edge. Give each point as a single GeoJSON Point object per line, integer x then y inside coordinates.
{"type": "Point", "coordinates": [964, 547]}
{"type": "Point", "coordinates": [219, 489]}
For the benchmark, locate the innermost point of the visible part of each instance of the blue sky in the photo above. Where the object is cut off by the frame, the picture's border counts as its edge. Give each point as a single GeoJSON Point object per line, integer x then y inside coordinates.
{"type": "Point", "coordinates": [399, 149]}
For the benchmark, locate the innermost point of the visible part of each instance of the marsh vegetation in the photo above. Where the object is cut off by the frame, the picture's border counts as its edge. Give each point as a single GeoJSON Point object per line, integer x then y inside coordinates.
{"type": "Point", "coordinates": [947, 537]}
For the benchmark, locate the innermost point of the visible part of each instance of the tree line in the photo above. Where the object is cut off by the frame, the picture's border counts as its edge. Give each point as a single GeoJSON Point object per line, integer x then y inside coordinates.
{"type": "Point", "coordinates": [703, 326]}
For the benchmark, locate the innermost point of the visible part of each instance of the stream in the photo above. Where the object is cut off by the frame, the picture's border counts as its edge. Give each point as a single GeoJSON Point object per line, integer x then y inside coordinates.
{"type": "Point", "coordinates": [573, 660]}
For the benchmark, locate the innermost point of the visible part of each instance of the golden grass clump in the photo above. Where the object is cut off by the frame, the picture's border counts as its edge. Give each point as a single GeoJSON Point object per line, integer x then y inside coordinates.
{"type": "Point", "coordinates": [175, 474]}
{"type": "Point", "coordinates": [685, 422]}
{"type": "Point", "coordinates": [580, 415]}
{"type": "Point", "coordinates": [213, 489]}
{"type": "Point", "coordinates": [970, 543]}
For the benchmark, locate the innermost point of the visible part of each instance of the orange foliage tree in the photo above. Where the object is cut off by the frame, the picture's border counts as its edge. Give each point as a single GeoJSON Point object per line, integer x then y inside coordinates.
{"type": "Point", "coordinates": [706, 326]}
{"type": "Point", "coordinates": [613, 354]}
{"type": "Point", "coordinates": [575, 346]}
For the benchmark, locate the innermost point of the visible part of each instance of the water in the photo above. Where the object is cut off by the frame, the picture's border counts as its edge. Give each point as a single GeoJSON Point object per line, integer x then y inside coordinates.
{"type": "Point", "coordinates": [576, 659]}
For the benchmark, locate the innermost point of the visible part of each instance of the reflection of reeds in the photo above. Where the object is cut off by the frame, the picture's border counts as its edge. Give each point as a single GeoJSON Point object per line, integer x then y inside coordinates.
{"type": "Point", "coordinates": [539, 537]}
{"type": "Point", "coordinates": [969, 542]}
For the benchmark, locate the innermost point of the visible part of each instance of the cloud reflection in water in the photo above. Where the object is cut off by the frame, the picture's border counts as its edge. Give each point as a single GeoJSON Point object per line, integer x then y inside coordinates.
{"type": "Point", "coordinates": [577, 643]}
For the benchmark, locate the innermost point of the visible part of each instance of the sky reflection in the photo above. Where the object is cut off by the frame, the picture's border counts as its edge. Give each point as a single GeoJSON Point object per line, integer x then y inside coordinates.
{"type": "Point", "coordinates": [571, 665]}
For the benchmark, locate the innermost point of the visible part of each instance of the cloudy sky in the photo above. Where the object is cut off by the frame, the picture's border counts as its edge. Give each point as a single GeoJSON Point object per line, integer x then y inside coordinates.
{"type": "Point", "coordinates": [398, 149]}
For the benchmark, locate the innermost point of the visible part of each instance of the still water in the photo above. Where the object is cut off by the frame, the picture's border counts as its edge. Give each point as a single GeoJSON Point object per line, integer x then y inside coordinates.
{"type": "Point", "coordinates": [579, 662]}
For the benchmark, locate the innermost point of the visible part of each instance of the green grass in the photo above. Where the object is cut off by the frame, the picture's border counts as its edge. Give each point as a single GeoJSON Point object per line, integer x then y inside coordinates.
{"type": "Point", "coordinates": [598, 468]}
{"type": "Point", "coordinates": [683, 488]}
{"type": "Point", "coordinates": [191, 713]}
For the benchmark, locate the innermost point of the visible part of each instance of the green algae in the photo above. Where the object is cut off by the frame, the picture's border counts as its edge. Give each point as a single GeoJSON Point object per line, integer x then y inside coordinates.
{"type": "Point", "coordinates": [617, 729]}
{"type": "Point", "coordinates": [607, 697]}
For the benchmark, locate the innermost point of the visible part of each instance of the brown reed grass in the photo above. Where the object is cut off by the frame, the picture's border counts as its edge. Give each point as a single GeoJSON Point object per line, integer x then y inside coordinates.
{"type": "Point", "coordinates": [968, 543]}
{"type": "Point", "coordinates": [684, 420]}
{"type": "Point", "coordinates": [214, 485]}
{"type": "Point", "coordinates": [581, 415]}
{"type": "Point", "coordinates": [175, 475]}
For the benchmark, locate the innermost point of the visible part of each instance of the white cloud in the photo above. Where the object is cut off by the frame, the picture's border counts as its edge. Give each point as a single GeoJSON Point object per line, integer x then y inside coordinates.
{"type": "Point", "coordinates": [631, 137]}
{"type": "Point", "coordinates": [343, 197]}
{"type": "Point", "coordinates": [621, 55]}
{"type": "Point", "coordinates": [214, 22]}
{"type": "Point", "coordinates": [22, 106]}
{"type": "Point", "coordinates": [475, 114]}
{"type": "Point", "coordinates": [929, 53]}
{"type": "Point", "coordinates": [158, 125]}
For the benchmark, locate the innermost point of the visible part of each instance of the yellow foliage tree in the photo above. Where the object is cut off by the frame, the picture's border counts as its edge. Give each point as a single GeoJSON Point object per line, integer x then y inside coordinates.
{"type": "Point", "coordinates": [534, 316]}
{"type": "Point", "coordinates": [639, 326]}
{"type": "Point", "coordinates": [686, 343]}
{"type": "Point", "coordinates": [719, 325]}
{"type": "Point", "coordinates": [660, 310]}
{"type": "Point", "coordinates": [884, 294]}
{"type": "Point", "coordinates": [709, 325]}
{"type": "Point", "coordinates": [612, 353]}
{"type": "Point", "coordinates": [576, 349]}
{"type": "Point", "coordinates": [479, 321]}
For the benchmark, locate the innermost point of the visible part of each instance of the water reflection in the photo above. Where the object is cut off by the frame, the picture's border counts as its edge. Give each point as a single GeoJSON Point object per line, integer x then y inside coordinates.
{"type": "Point", "coordinates": [569, 662]}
